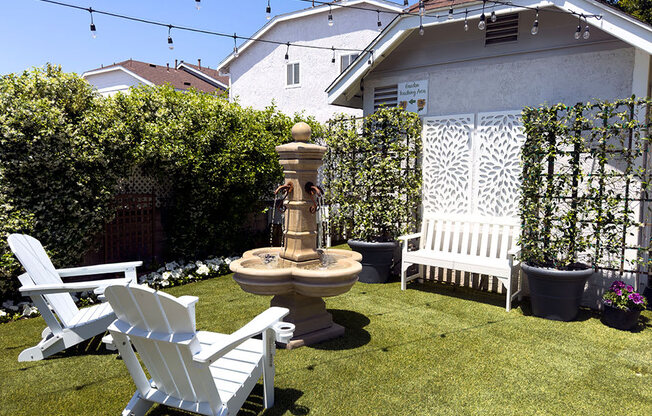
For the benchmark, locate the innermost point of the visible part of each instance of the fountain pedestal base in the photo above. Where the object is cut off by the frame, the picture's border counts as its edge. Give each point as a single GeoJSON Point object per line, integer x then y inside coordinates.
{"type": "Point", "coordinates": [313, 323]}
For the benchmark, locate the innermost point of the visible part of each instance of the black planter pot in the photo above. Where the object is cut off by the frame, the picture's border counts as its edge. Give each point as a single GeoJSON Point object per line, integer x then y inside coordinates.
{"type": "Point", "coordinates": [556, 294]}
{"type": "Point", "coordinates": [376, 260]}
{"type": "Point", "coordinates": [647, 293]}
{"type": "Point", "coordinates": [620, 319]}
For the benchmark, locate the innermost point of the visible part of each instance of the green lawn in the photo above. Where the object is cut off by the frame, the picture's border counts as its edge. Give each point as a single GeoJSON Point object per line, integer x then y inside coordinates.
{"type": "Point", "coordinates": [432, 349]}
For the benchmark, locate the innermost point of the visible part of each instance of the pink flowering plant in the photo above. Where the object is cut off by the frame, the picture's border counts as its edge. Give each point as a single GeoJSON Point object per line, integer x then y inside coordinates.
{"type": "Point", "coordinates": [622, 296]}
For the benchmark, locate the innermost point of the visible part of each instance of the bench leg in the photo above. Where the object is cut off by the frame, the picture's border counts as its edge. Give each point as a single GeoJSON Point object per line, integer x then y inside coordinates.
{"type": "Point", "coordinates": [404, 267]}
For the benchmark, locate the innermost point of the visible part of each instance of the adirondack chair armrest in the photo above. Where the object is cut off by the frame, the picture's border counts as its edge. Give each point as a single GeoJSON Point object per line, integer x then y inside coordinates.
{"type": "Point", "coordinates": [99, 269]}
{"type": "Point", "coordinates": [514, 252]}
{"type": "Point", "coordinates": [31, 290]}
{"type": "Point", "coordinates": [265, 320]}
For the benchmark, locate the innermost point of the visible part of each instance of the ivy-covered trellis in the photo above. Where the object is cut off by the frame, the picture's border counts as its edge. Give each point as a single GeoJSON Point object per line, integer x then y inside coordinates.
{"type": "Point", "coordinates": [372, 174]}
{"type": "Point", "coordinates": [586, 185]}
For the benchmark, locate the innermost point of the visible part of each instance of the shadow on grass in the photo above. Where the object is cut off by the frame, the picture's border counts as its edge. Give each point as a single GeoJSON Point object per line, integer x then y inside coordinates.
{"type": "Point", "coordinates": [355, 336]}
{"type": "Point", "coordinates": [465, 293]}
{"type": "Point", "coordinates": [92, 346]}
{"type": "Point", "coordinates": [284, 402]}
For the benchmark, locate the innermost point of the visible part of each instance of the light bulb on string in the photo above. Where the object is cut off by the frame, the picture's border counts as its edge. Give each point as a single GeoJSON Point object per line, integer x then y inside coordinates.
{"type": "Point", "coordinates": [421, 31]}
{"type": "Point", "coordinates": [235, 46]}
{"type": "Point", "coordinates": [93, 30]}
{"type": "Point", "coordinates": [578, 31]}
{"type": "Point", "coordinates": [333, 58]}
{"type": "Point", "coordinates": [422, 8]}
{"type": "Point", "coordinates": [482, 24]}
{"type": "Point", "coordinates": [170, 42]}
{"type": "Point", "coordinates": [268, 11]}
{"type": "Point", "coordinates": [330, 16]}
{"type": "Point", "coordinates": [466, 21]}
{"type": "Point", "coordinates": [406, 2]}
{"type": "Point", "coordinates": [493, 16]}
{"type": "Point", "coordinates": [380, 24]}
{"type": "Point", "coordinates": [535, 25]}
{"type": "Point", "coordinates": [197, 4]}
{"type": "Point", "coordinates": [371, 57]}
{"type": "Point", "coordinates": [586, 34]}
{"type": "Point", "coordinates": [287, 53]}
{"type": "Point", "coordinates": [450, 13]}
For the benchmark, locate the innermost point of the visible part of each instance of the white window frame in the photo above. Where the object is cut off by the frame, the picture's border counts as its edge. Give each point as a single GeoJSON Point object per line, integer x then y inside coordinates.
{"type": "Point", "coordinates": [351, 57]}
{"type": "Point", "coordinates": [294, 85]}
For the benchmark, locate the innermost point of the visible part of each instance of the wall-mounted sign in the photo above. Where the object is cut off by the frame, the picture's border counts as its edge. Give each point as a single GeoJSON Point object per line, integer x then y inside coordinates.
{"type": "Point", "coordinates": [413, 96]}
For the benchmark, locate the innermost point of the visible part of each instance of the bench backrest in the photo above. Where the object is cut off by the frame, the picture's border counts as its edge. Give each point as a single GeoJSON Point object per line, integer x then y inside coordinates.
{"type": "Point", "coordinates": [31, 254]}
{"type": "Point", "coordinates": [490, 237]}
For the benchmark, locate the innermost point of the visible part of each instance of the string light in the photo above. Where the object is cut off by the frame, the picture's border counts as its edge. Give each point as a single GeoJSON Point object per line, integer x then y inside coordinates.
{"type": "Point", "coordinates": [93, 31]}
{"type": "Point", "coordinates": [493, 15]}
{"type": "Point", "coordinates": [405, 2]}
{"type": "Point", "coordinates": [333, 58]}
{"type": "Point", "coordinates": [330, 16]}
{"type": "Point", "coordinates": [421, 31]}
{"type": "Point", "coordinates": [422, 8]}
{"type": "Point", "coordinates": [535, 25]}
{"type": "Point", "coordinates": [287, 53]}
{"type": "Point", "coordinates": [268, 11]}
{"type": "Point", "coordinates": [170, 42]}
{"type": "Point", "coordinates": [578, 31]}
{"type": "Point", "coordinates": [371, 57]}
{"type": "Point", "coordinates": [586, 34]}
{"type": "Point", "coordinates": [466, 20]}
{"type": "Point", "coordinates": [482, 24]}
{"type": "Point", "coordinates": [380, 25]}
{"type": "Point", "coordinates": [450, 11]}
{"type": "Point", "coordinates": [235, 46]}
{"type": "Point", "coordinates": [197, 4]}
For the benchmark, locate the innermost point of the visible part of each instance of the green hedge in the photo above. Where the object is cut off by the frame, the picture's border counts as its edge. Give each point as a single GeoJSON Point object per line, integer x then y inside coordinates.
{"type": "Point", "coordinates": [64, 151]}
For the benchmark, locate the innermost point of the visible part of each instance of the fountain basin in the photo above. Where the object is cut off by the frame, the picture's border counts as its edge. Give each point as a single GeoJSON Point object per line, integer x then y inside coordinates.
{"type": "Point", "coordinates": [286, 277]}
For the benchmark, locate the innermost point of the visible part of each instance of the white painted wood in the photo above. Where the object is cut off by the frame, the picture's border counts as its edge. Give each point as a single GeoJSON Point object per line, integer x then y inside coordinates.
{"type": "Point", "coordinates": [202, 372]}
{"type": "Point", "coordinates": [67, 325]}
{"type": "Point", "coordinates": [487, 254]}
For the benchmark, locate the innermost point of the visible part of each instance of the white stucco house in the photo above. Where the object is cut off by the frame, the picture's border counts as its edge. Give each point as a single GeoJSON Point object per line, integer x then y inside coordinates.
{"type": "Point", "coordinates": [121, 76]}
{"type": "Point", "coordinates": [259, 73]}
{"type": "Point", "coordinates": [469, 86]}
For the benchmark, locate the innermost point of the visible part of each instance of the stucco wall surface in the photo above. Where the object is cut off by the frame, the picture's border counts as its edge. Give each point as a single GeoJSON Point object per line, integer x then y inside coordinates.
{"type": "Point", "coordinates": [467, 77]}
{"type": "Point", "coordinates": [258, 75]}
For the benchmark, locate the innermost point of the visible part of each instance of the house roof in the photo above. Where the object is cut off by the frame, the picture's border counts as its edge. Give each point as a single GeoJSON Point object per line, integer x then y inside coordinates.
{"type": "Point", "coordinates": [345, 89]}
{"type": "Point", "coordinates": [211, 75]}
{"type": "Point", "coordinates": [152, 74]}
{"type": "Point", "coordinates": [322, 8]}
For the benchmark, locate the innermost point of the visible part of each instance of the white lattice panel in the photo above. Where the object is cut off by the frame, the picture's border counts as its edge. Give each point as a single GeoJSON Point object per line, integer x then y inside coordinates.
{"type": "Point", "coordinates": [447, 163]}
{"type": "Point", "coordinates": [498, 141]}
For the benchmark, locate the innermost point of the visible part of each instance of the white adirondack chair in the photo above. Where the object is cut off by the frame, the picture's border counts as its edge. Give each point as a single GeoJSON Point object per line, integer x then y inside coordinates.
{"type": "Point", "coordinates": [67, 325]}
{"type": "Point", "coordinates": [201, 372]}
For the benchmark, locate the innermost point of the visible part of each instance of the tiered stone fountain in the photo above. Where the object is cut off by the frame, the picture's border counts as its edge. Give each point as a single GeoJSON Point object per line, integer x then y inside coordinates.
{"type": "Point", "coordinates": [297, 274]}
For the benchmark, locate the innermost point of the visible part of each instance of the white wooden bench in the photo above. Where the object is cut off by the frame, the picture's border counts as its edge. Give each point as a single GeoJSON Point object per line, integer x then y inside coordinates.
{"type": "Point", "coordinates": [484, 245]}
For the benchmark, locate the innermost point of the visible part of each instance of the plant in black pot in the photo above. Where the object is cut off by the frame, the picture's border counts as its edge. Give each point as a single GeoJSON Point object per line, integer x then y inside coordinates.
{"type": "Point", "coordinates": [622, 306]}
{"type": "Point", "coordinates": [373, 184]}
{"type": "Point", "coordinates": [555, 238]}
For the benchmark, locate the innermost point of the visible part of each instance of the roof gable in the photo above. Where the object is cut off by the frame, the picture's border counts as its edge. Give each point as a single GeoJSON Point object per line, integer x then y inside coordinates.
{"type": "Point", "coordinates": [614, 22]}
{"type": "Point", "coordinates": [323, 8]}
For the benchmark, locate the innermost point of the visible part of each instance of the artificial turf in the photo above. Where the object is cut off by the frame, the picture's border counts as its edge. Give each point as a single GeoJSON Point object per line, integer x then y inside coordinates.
{"type": "Point", "coordinates": [433, 349]}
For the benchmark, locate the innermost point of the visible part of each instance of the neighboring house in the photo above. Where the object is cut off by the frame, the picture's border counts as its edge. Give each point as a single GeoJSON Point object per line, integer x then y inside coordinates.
{"type": "Point", "coordinates": [260, 74]}
{"type": "Point", "coordinates": [111, 79]}
{"type": "Point", "coordinates": [470, 86]}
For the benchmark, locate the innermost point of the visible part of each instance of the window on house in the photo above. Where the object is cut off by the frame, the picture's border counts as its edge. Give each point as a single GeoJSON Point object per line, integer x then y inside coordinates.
{"type": "Point", "coordinates": [346, 60]}
{"type": "Point", "coordinates": [504, 29]}
{"type": "Point", "coordinates": [293, 74]}
{"type": "Point", "coordinates": [387, 96]}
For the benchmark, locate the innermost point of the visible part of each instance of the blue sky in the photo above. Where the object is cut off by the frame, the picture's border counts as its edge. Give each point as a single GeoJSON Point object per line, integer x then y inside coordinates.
{"type": "Point", "coordinates": [34, 33]}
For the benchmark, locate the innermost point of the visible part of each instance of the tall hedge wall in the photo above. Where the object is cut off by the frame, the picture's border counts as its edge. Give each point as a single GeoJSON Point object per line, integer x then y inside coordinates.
{"type": "Point", "coordinates": [64, 150]}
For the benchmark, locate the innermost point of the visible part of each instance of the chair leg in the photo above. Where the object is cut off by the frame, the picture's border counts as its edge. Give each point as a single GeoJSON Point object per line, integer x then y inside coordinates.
{"type": "Point", "coordinates": [269, 342]}
{"type": "Point", "coordinates": [508, 307]}
{"type": "Point", "coordinates": [137, 406]}
{"type": "Point", "coordinates": [404, 268]}
{"type": "Point", "coordinates": [48, 346]}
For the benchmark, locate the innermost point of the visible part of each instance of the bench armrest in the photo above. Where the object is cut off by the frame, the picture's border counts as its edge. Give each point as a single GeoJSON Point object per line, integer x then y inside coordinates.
{"type": "Point", "coordinates": [260, 323]}
{"type": "Point", "coordinates": [68, 287]}
{"type": "Point", "coordinates": [409, 237]}
{"type": "Point", "coordinates": [514, 252]}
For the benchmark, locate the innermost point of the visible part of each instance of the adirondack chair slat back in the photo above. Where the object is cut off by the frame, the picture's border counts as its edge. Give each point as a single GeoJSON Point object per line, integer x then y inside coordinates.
{"type": "Point", "coordinates": [31, 254]}
{"type": "Point", "coordinates": [162, 330]}
{"type": "Point", "coordinates": [470, 235]}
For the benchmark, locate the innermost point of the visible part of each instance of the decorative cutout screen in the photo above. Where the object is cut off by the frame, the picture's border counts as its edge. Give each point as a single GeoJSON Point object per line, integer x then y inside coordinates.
{"type": "Point", "coordinates": [471, 163]}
